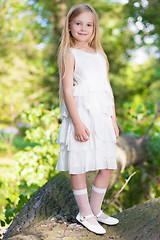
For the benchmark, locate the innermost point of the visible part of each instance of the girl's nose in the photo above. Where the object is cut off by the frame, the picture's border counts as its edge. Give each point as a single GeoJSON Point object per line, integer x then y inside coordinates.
{"type": "Point", "coordinates": [83, 28]}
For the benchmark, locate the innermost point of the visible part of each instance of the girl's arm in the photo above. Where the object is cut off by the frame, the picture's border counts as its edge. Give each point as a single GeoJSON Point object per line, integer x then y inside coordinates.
{"type": "Point", "coordinates": [81, 131]}
{"type": "Point", "coordinates": [114, 112]}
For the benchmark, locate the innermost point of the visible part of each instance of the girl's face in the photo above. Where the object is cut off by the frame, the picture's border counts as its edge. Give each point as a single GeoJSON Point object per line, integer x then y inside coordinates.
{"type": "Point", "coordinates": [82, 27]}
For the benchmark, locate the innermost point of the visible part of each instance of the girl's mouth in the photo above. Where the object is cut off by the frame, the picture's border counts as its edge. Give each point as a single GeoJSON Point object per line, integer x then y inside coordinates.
{"type": "Point", "coordinates": [83, 34]}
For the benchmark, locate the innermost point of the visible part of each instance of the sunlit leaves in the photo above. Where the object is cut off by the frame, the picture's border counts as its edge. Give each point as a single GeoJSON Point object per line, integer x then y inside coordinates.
{"type": "Point", "coordinates": [37, 164]}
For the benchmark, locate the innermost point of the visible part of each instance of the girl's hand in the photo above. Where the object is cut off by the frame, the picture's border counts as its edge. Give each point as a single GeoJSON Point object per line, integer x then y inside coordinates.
{"type": "Point", "coordinates": [115, 127]}
{"type": "Point", "coordinates": [82, 133]}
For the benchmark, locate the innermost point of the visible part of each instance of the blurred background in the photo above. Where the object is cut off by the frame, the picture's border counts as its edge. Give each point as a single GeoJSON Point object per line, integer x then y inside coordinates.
{"type": "Point", "coordinates": [30, 33]}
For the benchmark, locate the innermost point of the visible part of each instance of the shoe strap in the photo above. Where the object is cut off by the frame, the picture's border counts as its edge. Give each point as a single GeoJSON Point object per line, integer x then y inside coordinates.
{"type": "Point", "coordinates": [99, 214]}
{"type": "Point", "coordinates": [86, 217]}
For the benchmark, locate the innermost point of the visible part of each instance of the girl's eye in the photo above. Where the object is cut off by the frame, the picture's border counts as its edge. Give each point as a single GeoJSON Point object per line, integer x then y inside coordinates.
{"type": "Point", "coordinates": [89, 25]}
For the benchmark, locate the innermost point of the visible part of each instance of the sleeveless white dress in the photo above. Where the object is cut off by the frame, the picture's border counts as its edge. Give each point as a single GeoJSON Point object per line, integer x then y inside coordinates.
{"type": "Point", "coordinates": [93, 98]}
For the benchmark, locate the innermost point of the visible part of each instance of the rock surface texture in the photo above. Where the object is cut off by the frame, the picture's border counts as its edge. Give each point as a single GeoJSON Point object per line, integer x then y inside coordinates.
{"type": "Point", "coordinates": [50, 214]}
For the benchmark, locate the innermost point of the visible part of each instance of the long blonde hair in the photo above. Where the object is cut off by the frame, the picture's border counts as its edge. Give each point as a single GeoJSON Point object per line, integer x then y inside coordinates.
{"type": "Point", "coordinates": [67, 41]}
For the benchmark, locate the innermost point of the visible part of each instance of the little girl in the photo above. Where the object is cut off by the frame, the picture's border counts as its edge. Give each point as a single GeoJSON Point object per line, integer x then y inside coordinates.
{"type": "Point", "coordinates": [88, 131]}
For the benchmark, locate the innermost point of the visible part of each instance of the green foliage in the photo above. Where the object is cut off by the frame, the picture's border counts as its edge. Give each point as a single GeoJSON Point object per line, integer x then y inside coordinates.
{"type": "Point", "coordinates": [12, 208]}
{"type": "Point", "coordinates": [136, 123]}
{"type": "Point", "coordinates": [34, 165]}
{"type": "Point", "coordinates": [147, 14]}
{"type": "Point", "coordinates": [24, 77]}
{"type": "Point", "coordinates": [153, 149]}
{"type": "Point", "coordinates": [8, 146]}
{"type": "Point", "coordinates": [137, 118]}
{"type": "Point", "coordinates": [37, 164]}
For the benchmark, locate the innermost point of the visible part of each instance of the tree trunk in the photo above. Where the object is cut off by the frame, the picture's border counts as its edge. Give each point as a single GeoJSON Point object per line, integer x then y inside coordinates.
{"type": "Point", "coordinates": [130, 151]}
{"type": "Point", "coordinates": [50, 214]}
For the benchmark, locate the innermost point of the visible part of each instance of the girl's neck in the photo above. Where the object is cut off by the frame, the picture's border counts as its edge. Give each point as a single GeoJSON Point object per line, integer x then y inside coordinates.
{"type": "Point", "coordinates": [83, 45]}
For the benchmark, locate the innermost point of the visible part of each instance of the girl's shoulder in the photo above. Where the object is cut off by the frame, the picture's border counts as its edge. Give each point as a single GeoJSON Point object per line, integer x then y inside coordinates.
{"type": "Point", "coordinates": [68, 53]}
{"type": "Point", "coordinates": [73, 50]}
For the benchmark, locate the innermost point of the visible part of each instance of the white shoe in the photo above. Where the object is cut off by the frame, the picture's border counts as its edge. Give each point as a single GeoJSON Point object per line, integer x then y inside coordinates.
{"type": "Point", "coordinates": [108, 221]}
{"type": "Point", "coordinates": [94, 228]}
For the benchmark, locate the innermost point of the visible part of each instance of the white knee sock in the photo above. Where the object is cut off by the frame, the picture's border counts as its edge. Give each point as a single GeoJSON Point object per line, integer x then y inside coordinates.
{"type": "Point", "coordinates": [97, 196]}
{"type": "Point", "coordinates": [81, 197]}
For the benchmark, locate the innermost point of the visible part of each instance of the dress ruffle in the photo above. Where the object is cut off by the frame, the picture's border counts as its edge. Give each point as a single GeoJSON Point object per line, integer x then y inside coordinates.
{"type": "Point", "coordinates": [94, 100]}
{"type": "Point", "coordinates": [99, 152]}
{"type": "Point", "coordinates": [100, 128]}
{"type": "Point", "coordinates": [85, 161]}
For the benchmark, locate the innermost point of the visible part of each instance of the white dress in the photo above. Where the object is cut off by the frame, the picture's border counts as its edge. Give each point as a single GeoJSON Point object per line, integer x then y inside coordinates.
{"type": "Point", "coordinates": [93, 98]}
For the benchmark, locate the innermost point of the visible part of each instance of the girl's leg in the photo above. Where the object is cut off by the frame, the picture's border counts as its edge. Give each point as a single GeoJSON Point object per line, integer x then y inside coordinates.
{"type": "Point", "coordinates": [98, 191]}
{"type": "Point", "coordinates": [103, 177]}
{"type": "Point", "coordinates": [78, 181]}
{"type": "Point", "coordinates": [79, 188]}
